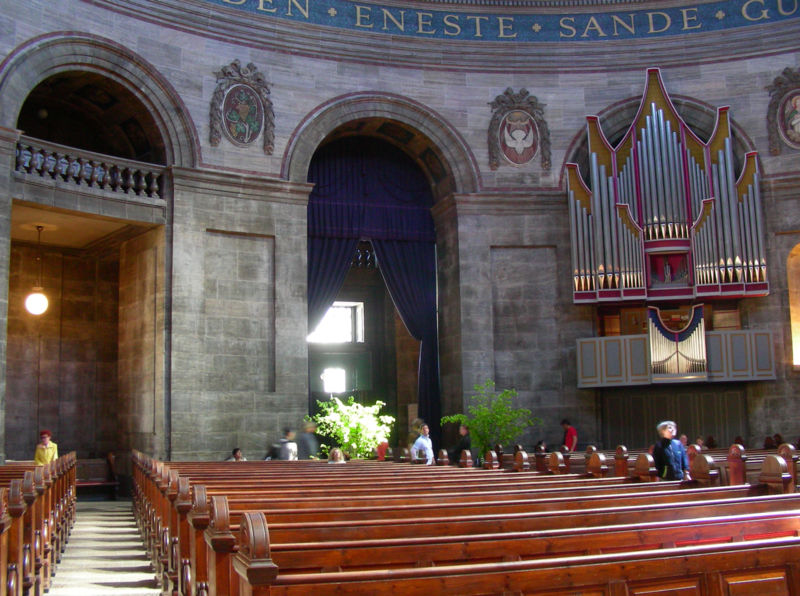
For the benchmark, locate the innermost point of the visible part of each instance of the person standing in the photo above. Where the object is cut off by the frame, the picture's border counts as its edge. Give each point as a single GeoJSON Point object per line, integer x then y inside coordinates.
{"type": "Point", "coordinates": [307, 444]}
{"type": "Point", "coordinates": [570, 441]}
{"type": "Point", "coordinates": [287, 448]}
{"type": "Point", "coordinates": [464, 444]}
{"type": "Point", "coordinates": [424, 444]}
{"type": "Point", "coordinates": [669, 456]}
{"type": "Point", "coordinates": [46, 450]}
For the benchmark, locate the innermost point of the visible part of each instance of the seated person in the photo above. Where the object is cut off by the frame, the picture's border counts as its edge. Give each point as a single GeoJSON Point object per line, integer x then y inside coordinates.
{"type": "Point", "coordinates": [336, 456]}
{"type": "Point", "coordinates": [236, 455]}
{"type": "Point", "coordinates": [464, 444]}
{"type": "Point", "coordinates": [46, 450]}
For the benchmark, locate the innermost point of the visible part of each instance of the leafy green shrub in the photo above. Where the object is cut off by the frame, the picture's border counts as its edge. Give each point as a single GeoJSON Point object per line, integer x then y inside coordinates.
{"type": "Point", "coordinates": [492, 418]}
{"type": "Point", "coordinates": [357, 429]}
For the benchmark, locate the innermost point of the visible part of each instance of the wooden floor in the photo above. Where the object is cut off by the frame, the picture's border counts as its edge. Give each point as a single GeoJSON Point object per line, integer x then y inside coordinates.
{"type": "Point", "coordinates": [104, 556]}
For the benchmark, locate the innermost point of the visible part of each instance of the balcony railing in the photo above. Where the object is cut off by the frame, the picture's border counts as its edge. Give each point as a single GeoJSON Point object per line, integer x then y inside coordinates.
{"type": "Point", "coordinates": [89, 170]}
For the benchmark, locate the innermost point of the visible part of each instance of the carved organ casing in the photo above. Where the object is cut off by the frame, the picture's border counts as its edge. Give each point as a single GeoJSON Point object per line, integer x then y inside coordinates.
{"type": "Point", "coordinates": [665, 216]}
{"type": "Point", "coordinates": [666, 219]}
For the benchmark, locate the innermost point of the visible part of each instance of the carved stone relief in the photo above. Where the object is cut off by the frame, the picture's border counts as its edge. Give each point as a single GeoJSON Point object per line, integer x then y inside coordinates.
{"type": "Point", "coordinates": [783, 112]}
{"type": "Point", "coordinates": [518, 130]}
{"type": "Point", "coordinates": [241, 108]}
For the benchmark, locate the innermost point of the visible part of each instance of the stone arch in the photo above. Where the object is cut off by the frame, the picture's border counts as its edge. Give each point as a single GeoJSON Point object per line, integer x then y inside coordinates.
{"type": "Point", "coordinates": [460, 172]}
{"type": "Point", "coordinates": [47, 55]}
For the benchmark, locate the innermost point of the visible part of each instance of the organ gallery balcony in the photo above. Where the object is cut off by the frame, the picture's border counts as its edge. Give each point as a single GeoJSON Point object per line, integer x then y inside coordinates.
{"type": "Point", "coordinates": [649, 358]}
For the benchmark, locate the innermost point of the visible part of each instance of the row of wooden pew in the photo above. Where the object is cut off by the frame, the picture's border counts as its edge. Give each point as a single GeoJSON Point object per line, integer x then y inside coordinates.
{"type": "Point", "coordinates": [37, 511]}
{"type": "Point", "coordinates": [256, 528]}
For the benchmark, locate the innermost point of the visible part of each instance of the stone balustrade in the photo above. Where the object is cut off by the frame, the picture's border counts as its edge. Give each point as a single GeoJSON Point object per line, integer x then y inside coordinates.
{"type": "Point", "coordinates": [84, 168]}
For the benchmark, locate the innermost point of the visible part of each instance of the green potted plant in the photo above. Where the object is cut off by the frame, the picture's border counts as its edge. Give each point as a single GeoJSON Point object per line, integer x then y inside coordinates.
{"type": "Point", "coordinates": [492, 418]}
{"type": "Point", "coordinates": [355, 428]}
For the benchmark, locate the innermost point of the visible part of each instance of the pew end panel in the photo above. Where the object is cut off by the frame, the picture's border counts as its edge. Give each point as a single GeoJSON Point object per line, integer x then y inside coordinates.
{"type": "Point", "coordinates": [775, 474]}
{"type": "Point", "coordinates": [645, 468]}
{"type": "Point", "coordinates": [252, 563]}
{"type": "Point", "coordinates": [596, 465]}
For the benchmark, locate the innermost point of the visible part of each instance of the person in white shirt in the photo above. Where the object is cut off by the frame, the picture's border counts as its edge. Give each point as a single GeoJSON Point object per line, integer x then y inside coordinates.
{"type": "Point", "coordinates": [424, 443]}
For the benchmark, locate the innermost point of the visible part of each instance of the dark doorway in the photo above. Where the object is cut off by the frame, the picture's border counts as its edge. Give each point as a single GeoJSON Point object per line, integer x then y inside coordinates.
{"type": "Point", "coordinates": [371, 203]}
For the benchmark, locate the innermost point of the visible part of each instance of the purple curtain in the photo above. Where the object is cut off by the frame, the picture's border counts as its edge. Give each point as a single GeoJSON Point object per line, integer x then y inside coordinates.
{"type": "Point", "coordinates": [368, 189]}
{"type": "Point", "coordinates": [328, 263]}
{"type": "Point", "coordinates": [409, 270]}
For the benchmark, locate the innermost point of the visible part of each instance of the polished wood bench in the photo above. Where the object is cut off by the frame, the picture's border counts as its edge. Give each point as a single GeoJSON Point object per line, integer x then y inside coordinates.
{"type": "Point", "coordinates": [749, 567]}
{"type": "Point", "coordinates": [40, 503]}
{"type": "Point", "coordinates": [221, 528]}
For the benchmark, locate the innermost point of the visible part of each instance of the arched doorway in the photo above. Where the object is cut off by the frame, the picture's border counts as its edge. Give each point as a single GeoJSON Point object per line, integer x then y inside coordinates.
{"type": "Point", "coordinates": [371, 246]}
{"type": "Point", "coordinates": [91, 368]}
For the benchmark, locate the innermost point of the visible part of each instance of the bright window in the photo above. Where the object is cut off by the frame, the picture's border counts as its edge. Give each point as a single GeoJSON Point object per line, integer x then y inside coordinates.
{"type": "Point", "coordinates": [334, 380]}
{"type": "Point", "coordinates": [342, 324]}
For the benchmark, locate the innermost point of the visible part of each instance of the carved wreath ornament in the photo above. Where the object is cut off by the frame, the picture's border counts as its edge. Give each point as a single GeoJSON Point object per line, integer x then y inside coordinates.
{"type": "Point", "coordinates": [518, 130]}
{"type": "Point", "coordinates": [783, 112]}
{"type": "Point", "coordinates": [241, 107]}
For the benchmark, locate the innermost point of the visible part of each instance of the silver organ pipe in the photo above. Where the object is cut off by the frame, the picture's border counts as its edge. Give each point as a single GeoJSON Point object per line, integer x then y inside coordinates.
{"type": "Point", "coordinates": [661, 201]}
{"type": "Point", "coordinates": [733, 211]}
{"type": "Point", "coordinates": [672, 357]}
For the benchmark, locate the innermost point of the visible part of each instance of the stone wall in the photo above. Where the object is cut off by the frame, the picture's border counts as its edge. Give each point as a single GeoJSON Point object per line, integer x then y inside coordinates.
{"type": "Point", "coordinates": [239, 368]}
{"type": "Point", "coordinates": [62, 365]}
{"type": "Point", "coordinates": [142, 285]}
{"type": "Point", "coordinates": [234, 257]}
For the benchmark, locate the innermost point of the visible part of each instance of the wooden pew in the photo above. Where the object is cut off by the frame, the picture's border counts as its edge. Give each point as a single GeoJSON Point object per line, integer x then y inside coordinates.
{"type": "Point", "coordinates": [39, 501]}
{"type": "Point", "coordinates": [754, 567]}
{"type": "Point", "coordinates": [221, 530]}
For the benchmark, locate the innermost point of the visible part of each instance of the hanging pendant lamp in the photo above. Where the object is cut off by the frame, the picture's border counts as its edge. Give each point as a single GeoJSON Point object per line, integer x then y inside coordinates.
{"type": "Point", "coordinates": [36, 302]}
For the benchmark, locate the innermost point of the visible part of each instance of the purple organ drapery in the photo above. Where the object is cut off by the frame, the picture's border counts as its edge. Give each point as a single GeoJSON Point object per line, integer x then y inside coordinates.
{"type": "Point", "coordinates": [368, 189]}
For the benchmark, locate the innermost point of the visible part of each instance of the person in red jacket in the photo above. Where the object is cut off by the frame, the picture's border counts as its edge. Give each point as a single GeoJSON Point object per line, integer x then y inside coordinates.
{"type": "Point", "coordinates": [570, 442]}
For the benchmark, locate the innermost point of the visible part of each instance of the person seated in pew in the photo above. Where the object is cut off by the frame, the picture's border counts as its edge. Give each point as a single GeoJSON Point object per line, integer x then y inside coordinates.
{"type": "Point", "coordinates": [699, 441]}
{"type": "Point", "coordinates": [738, 440]}
{"type": "Point", "coordinates": [778, 438]}
{"type": "Point", "coordinates": [46, 450]}
{"type": "Point", "coordinates": [236, 455]}
{"type": "Point", "coordinates": [711, 442]}
{"type": "Point", "coordinates": [336, 456]}
{"type": "Point", "coordinates": [669, 456]}
{"type": "Point", "coordinates": [769, 443]}
{"type": "Point", "coordinates": [684, 441]}
{"type": "Point", "coordinates": [424, 444]}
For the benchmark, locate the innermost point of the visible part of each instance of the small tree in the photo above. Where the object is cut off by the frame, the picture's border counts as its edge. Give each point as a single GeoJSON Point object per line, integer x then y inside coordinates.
{"type": "Point", "coordinates": [357, 429]}
{"type": "Point", "coordinates": [492, 418]}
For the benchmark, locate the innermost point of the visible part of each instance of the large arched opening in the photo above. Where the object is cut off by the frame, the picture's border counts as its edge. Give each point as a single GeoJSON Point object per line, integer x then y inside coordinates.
{"type": "Point", "coordinates": [88, 220]}
{"type": "Point", "coordinates": [372, 268]}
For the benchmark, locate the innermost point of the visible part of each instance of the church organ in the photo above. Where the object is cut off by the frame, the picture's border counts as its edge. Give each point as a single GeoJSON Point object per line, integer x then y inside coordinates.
{"type": "Point", "coordinates": [664, 218]}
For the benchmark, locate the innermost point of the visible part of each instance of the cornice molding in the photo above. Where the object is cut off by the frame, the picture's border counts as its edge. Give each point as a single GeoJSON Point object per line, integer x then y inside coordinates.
{"type": "Point", "coordinates": [227, 184]}
{"type": "Point", "coordinates": [227, 24]}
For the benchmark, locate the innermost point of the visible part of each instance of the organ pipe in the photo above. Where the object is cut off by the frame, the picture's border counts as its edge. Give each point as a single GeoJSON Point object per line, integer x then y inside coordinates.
{"type": "Point", "coordinates": [662, 200]}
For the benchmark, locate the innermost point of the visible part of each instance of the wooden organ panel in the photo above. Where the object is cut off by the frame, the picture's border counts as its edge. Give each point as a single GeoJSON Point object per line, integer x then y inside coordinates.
{"type": "Point", "coordinates": [665, 216]}
{"type": "Point", "coordinates": [625, 360]}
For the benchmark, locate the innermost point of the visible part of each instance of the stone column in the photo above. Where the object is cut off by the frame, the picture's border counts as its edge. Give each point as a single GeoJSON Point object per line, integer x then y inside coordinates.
{"type": "Point", "coordinates": [8, 143]}
{"type": "Point", "coordinates": [239, 360]}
